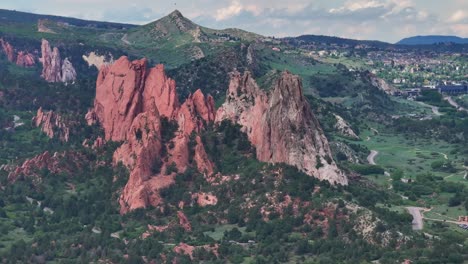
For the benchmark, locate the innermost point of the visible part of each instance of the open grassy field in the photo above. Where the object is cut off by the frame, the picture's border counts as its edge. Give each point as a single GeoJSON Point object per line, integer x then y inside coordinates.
{"type": "Point", "coordinates": [413, 156]}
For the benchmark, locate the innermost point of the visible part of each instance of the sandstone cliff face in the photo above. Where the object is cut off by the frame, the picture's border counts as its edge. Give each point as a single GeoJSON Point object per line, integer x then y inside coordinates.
{"type": "Point", "coordinates": [52, 124]}
{"type": "Point", "coordinates": [130, 102]}
{"type": "Point", "coordinates": [51, 63]}
{"type": "Point", "coordinates": [53, 68]}
{"type": "Point", "coordinates": [281, 125]}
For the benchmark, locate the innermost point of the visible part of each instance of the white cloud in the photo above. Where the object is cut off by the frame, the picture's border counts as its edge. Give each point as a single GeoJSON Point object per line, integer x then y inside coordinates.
{"type": "Point", "coordinates": [458, 16]}
{"type": "Point", "coordinates": [227, 12]}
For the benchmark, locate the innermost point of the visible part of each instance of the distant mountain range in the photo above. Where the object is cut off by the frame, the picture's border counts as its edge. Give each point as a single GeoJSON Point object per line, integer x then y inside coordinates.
{"type": "Point", "coordinates": [434, 39]}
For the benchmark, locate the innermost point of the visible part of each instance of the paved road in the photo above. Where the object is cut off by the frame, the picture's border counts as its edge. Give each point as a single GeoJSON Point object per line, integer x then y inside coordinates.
{"type": "Point", "coordinates": [454, 104]}
{"type": "Point", "coordinates": [371, 157]}
{"type": "Point", "coordinates": [417, 217]}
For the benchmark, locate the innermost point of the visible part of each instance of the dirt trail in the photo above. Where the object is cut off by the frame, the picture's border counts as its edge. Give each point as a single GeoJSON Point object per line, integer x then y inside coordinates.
{"type": "Point", "coordinates": [372, 156]}
{"type": "Point", "coordinates": [435, 109]}
{"type": "Point", "coordinates": [417, 217]}
{"type": "Point", "coordinates": [124, 39]}
{"type": "Point", "coordinates": [454, 104]}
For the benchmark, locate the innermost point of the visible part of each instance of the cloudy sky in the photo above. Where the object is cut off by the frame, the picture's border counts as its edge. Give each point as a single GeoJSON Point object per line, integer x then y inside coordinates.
{"type": "Point", "coordinates": [386, 20]}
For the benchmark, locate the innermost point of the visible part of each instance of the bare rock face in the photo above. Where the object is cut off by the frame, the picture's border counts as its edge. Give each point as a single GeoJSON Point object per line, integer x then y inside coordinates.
{"type": "Point", "coordinates": [281, 125]}
{"type": "Point", "coordinates": [118, 97]}
{"type": "Point", "coordinates": [68, 72]}
{"type": "Point", "coordinates": [130, 102]}
{"type": "Point", "coordinates": [344, 128]}
{"type": "Point", "coordinates": [8, 49]}
{"type": "Point", "coordinates": [184, 222]}
{"type": "Point", "coordinates": [53, 68]}
{"type": "Point", "coordinates": [52, 124]}
{"type": "Point", "coordinates": [93, 59]}
{"type": "Point", "coordinates": [382, 84]}
{"type": "Point", "coordinates": [42, 26]}
{"type": "Point", "coordinates": [161, 90]}
{"type": "Point", "coordinates": [51, 62]}
{"type": "Point", "coordinates": [204, 164]}
{"type": "Point", "coordinates": [25, 59]}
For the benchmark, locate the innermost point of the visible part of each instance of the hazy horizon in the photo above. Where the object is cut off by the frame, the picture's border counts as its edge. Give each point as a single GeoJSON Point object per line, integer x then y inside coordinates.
{"type": "Point", "coordinates": [384, 20]}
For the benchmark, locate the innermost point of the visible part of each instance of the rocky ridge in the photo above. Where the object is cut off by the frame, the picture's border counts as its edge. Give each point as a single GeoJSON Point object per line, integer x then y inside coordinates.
{"type": "Point", "coordinates": [53, 163]}
{"type": "Point", "coordinates": [280, 124]}
{"type": "Point", "coordinates": [52, 124]}
{"type": "Point", "coordinates": [53, 68]}
{"type": "Point", "coordinates": [131, 100]}
{"type": "Point", "coordinates": [22, 58]}
{"type": "Point", "coordinates": [136, 104]}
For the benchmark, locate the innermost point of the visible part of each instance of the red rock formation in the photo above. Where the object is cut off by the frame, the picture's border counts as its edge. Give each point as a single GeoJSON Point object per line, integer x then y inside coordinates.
{"type": "Point", "coordinates": [281, 125]}
{"type": "Point", "coordinates": [51, 63]}
{"type": "Point", "coordinates": [91, 117]}
{"type": "Point", "coordinates": [205, 199]}
{"type": "Point", "coordinates": [183, 221]}
{"type": "Point", "coordinates": [204, 164]}
{"type": "Point", "coordinates": [52, 124]}
{"type": "Point", "coordinates": [130, 100]}
{"type": "Point", "coordinates": [53, 163]}
{"type": "Point", "coordinates": [185, 249]}
{"type": "Point", "coordinates": [25, 59]}
{"type": "Point", "coordinates": [161, 90]}
{"type": "Point", "coordinates": [98, 143]}
{"type": "Point", "coordinates": [8, 49]}
{"type": "Point", "coordinates": [118, 96]}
